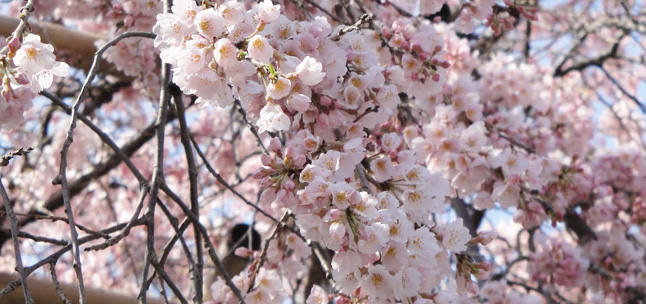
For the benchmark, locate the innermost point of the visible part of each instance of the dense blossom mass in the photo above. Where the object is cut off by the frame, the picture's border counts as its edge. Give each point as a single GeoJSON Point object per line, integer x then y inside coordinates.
{"type": "Point", "coordinates": [404, 151]}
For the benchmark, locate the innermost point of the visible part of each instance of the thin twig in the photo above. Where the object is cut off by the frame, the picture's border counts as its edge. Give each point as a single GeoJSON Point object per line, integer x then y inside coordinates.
{"type": "Point", "coordinates": [207, 241]}
{"type": "Point", "coordinates": [162, 273]}
{"type": "Point", "coordinates": [16, 243]}
{"type": "Point", "coordinates": [632, 97]}
{"type": "Point", "coordinates": [253, 130]}
{"type": "Point", "coordinates": [25, 11]}
{"type": "Point", "coordinates": [173, 222]}
{"type": "Point", "coordinates": [59, 218]}
{"type": "Point", "coordinates": [365, 18]}
{"type": "Point", "coordinates": [123, 155]}
{"type": "Point", "coordinates": [198, 271]}
{"type": "Point", "coordinates": [224, 183]}
{"type": "Point", "coordinates": [263, 254]}
{"type": "Point", "coordinates": [61, 178]}
{"type": "Point", "coordinates": [170, 244]}
{"type": "Point", "coordinates": [57, 284]}
{"type": "Point", "coordinates": [56, 255]}
{"type": "Point", "coordinates": [157, 178]}
{"type": "Point", "coordinates": [20, 152]}
{"type": "Point", "coordinates": [123, 233]}
{"type": "Point", "coordinates": [36, 238]}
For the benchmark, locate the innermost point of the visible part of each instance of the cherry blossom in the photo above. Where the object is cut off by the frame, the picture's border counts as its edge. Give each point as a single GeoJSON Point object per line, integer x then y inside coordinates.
{"type": "Point", "coordinates": [406, 151]}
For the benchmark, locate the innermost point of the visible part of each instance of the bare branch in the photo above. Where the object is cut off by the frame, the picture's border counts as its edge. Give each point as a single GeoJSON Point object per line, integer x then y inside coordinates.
{"type": "Point", "coordinates": [16, 243]}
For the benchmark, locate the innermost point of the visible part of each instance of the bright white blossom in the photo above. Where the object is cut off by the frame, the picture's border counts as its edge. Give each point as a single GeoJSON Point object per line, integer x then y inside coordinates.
{"type": "Point", "coordinates": [225, 53]}
{"type": "Point", "coordinates": [455, 236]}
{"type": "Point", "coordinates": [38, 62]}
{"type": "Point", "coordinates": [279, 88]}
{"type": "Point", "coordinates": [309, 71]}
{"type": "Point", "coordinates": [272, 119]}
{"type": "Point", "coordinates": [260, 49]}
{"type": "Point", "coordinates": [209, 23]}
{"type": "Point", "coordinates": [267, 11]}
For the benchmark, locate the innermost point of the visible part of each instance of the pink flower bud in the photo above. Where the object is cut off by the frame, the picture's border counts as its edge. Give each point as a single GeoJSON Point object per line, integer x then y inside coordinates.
{"type": "Point", "coordinates": [355, 198]}
{"type": "Point", "coordinates": [260, 174]}
{"type": "Point", "coordinates": [275, 145]}
{"type": "Point", "coordinates": [266, 183]}
{"type": "Point", "coordinates": [7, 94]}
{"type": "Point", "coordinates": [266, 160]}
{"type": "Point", "coordinates": [335, 214]}
{"type": "Point", "coordinates": [535, 206]}
{"type": "Point", "coordinates": [436, 77]}
{"type": "Point", "coordinates": [323, 121]}
{"type": "Point", "coordinates": [484, 271]}
{"type": "Point", "coordinates": [386, 32]}
{"type": "Point", "coordinates": [243, 252]}
{"type": "Point", "coordinates": [520, 216]}
{"type": "Point", "coordinates": [417, 48]}
{"type": "Point", "coordinates": [341, 300]}
{"type": "Point", "coordinates": [14, 44]}
{"type": "Point", "coordinates": [290, 152]}
{"type": "Point", "coordinates": [337, 231]}
{"type": "Point", "coordinates": [325, 101]}
{"type": "Point", "coordinates": [487, 237]}
{"type": "Point", "coordinates": [607, 261]}
{"type": "Point", "coordinates": [22, 79]}
{"type": "Point", "coordinates": [288, 185]}
{"type": "Point", "coordinates": [472, 287]}
{"type": "Point", "coordinates": [299, 161]}
{"type": "Point", "coordinates": [509, 25]}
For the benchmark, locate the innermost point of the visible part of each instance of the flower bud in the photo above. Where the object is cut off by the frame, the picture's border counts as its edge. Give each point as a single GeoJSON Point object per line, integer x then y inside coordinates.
{"type": "Point", "coordinates": [484, 270]}
{"type": "Point", "coordinates": [21, 78]}
{"type": "Point", "coordinates": [288, 185]}
{"type": "Point", "coordinates": [243, 252]}
{"type": "Point", "coordinates": [275, 145]}
{"type": "Point", "coordinates": [335, 214]}
{"type": "Point", "coordinates": [266, 160]}
{"type": "Point", "coordinates": [472, 287]}
{"type": "Point", "coordinates": [486, 237]}
{"type": "Point", "coordinates": [337, 231]}
{"type": "Point", "coordinates": [299, 161]}
{"type": "Point", "coordinates": [14, 44]}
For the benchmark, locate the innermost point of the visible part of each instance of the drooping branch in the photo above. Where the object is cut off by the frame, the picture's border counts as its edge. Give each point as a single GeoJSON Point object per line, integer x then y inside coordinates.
{"type": "Point", "coordinates": [198, 272]}
{"type": "Point", "coordinates": [157, 178]}
{"type": "Point", "coordinates": [16, 243]}
{"type": "Point", "coordinates": [120, 155]}
{"type": "Point", "coordinates": [598, 61]}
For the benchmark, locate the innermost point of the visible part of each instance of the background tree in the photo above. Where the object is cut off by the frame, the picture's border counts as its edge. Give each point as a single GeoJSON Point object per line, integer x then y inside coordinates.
{"type": "Point", "coordinates": [386, 151]}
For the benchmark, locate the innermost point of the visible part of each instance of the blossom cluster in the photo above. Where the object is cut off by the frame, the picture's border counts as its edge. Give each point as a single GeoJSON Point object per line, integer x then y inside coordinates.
{"type": "Point", "coordinates": [558, 263]}
{"type": "Point", "coordinates": [372, 134]}
{"type": "Point", "coordinates": [28, 67]}
{"type": "Point", "coordinates": [370, 199]}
